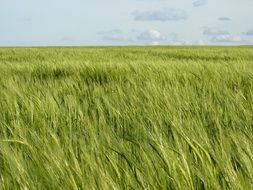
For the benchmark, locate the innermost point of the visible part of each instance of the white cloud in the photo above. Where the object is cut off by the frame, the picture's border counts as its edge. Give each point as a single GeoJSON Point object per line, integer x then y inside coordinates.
{"type": "Point", "coordinates": [67, 38]}
{"type": "Point", "coordinates": [227, 38]}
{"type": "Point", "coordinates": [250, 33]}
{"type": "Point", "coordinates": [109, 32]}
{"type": "Point", "coordinates": [114, 36]}
{"type": "Point", "coordinates": [213, 31]}
{"type": "Point", "coordinates": [154, 37]}
{"type": "Point", "coordinates": [161, 15]}
{"type": "Point", "coordinates": [155, 43]}
{"type": "Point", "coordinates": [119, 38]}
{"type": "Point", "coordinates": [198, 3]}
{"type": "Point", "coordinates": [221, 36]}
{"type": "Point", "coordinates": [223, 18]}
{"type": "Point", "coordinates": [199, 42]}
{"type": "Point", "coordinates": [181, 42]}
{"type": "Point", "coordinates": [150, 35]}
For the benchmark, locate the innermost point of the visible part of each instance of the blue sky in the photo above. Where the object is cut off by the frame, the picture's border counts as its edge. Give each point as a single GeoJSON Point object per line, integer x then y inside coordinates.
{"type": "Point", "coordinates": [125, 22]}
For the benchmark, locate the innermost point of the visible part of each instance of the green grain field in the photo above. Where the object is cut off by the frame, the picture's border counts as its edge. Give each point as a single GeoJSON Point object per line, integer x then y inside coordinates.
{"type": "Point", "coordinates": [126, 118]}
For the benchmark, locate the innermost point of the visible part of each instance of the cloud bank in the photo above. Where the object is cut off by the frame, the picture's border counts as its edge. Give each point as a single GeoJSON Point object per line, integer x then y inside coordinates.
{"type": "Point", "coordinates": [224, 19]}
{"type": "Point", "coordinates": [213, 31]}
{"type": "Point", "coordinates": [226, 38]}
{"type": "Point", "coordinates": [198, 3]}
{"type": "Point", "coordinates": [113, 36]}
{"type": "Point", "coordinates": [250, 33]}
{"type": "Point", "coordinates": [160, 15]}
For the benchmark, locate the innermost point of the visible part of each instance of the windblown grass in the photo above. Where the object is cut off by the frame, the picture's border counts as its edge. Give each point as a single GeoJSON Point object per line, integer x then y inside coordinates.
{"type": "Point", "coordinates": [126, 118]}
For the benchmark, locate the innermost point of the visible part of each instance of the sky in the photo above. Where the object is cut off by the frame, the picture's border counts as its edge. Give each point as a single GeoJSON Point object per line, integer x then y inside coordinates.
{"type": "Point", "coordinates": [125, 22]}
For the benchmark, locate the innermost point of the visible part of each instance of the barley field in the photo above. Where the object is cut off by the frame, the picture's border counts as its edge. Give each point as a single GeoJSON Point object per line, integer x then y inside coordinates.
{"type": "Point", "coordinates": [126, 118]}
